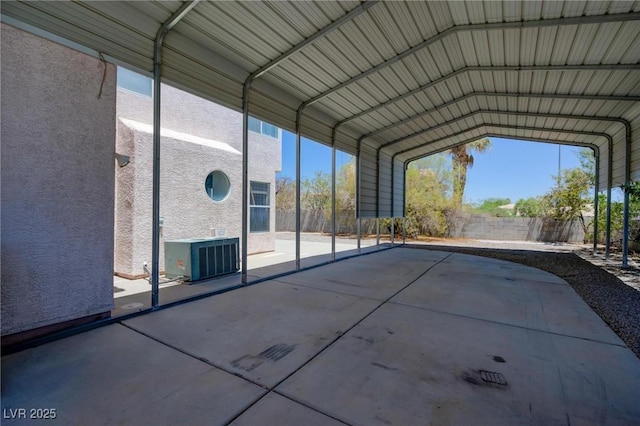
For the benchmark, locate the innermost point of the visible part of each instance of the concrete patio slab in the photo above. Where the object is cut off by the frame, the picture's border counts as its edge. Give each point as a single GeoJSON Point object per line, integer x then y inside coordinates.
{"type": "Point", "coordinates": [401, 336]}
{"type": "Point", "coordinates": [114, 375]}
{"type": "Point", "coordinates": [494, 267]}
{"type": "Point", "coordinates": [409, 366]}
{"type": "Point", "coordinates": [544, 306]}
{"type": "Point", "coordinates": [377, 276]}
{"type": "Point", "coordinates": [274, 409]}
{"type": "Point", "coordinates": [263, 332]}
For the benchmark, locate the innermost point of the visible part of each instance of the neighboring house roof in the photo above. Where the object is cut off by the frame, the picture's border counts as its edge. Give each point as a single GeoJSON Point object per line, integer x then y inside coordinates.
{"type": "Point", "coordinates": [147, 128]}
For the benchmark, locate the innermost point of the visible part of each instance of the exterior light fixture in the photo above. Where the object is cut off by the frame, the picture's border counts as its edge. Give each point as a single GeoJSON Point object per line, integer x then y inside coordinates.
{"type": "Point", "coordinates": [122, 160]}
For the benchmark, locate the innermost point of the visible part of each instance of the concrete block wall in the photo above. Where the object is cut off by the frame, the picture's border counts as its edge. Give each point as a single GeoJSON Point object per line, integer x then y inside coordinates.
{"type": "Point", "coordinates": [57, 195]}
{"type": "Point", "coordinates": [473, 226]}
{"type": "Point", "coordinates": [487, 227]}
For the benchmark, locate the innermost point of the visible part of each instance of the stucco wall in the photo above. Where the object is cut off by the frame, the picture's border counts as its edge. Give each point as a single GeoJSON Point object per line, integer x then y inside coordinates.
{"type": "Point", "coordinates": [185, 208]}
{"type": "Point", "coordinates": [57, 183]}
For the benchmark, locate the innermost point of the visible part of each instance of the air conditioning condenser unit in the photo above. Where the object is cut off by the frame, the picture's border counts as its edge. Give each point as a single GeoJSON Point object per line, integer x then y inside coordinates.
{"type": "Point", "coordinates": [201, 258]}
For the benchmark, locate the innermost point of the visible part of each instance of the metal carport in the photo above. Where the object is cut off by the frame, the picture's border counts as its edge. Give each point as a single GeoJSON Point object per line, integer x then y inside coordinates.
{"type": "Point", "coordinates": [386, 81]}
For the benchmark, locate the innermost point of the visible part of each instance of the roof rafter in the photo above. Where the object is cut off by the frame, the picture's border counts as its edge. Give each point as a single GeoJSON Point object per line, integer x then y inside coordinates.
{"type": "Point", "coordinates": [515, 113]}
{"type": "Point", "coordinates": [577, 20]}
{"type": "Point", "coordinates": [502, 95]}
{"type": "Point", "coordinates": [506, 126]}
{"type": "Point", "coordinates": [465, 70]}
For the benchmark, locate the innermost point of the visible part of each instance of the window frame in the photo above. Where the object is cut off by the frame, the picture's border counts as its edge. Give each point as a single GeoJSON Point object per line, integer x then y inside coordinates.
{"type": "Point", "coordinates": [253, 226]}
{"type": "Point", "coordinates": [262, 128]}
{"type": "Point", "coordinates": [125, 77]}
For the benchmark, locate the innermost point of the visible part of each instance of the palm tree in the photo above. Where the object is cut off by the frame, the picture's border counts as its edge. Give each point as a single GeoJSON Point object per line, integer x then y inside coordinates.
{"type": "Point", "coordinates": [462, 159]}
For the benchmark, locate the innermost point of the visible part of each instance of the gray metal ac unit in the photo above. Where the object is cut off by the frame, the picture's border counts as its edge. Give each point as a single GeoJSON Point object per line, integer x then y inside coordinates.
{"type": "Point", "coordinates": [201, 258]}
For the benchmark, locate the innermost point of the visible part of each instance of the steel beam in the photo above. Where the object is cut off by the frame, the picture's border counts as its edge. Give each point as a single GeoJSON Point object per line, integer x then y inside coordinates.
{"type": "Point", "coordinates": [578, 20]}
{"type": "Point", "coordinates": [627, 189]}
{"type": "Point", "coordinates": [501, 95]}
{"type": "Point", "coordinates": [594, 147]}
{"type": "Point", "coordinates": [624, 122]}
{"type": "Point", "coordinates": [609, 184]}
{"type": "Point", "coordinates": [465, 70]}
{"type": "Point", "coordinates": [333, 203]}
{"type": "Point", "coordinates": [245, 124]}
{"type": "Point", "coordinates": [298, 187]}
{"type": "Point", "coordinates": [515, 113]}
{"type": "Point", "coordinates": [315, 37]}
{"type": "Point", "coordinates": [497, 135]}
{"type": "Point", "coordinates": [506, 126]}
{"type": "Point", "coordinates": [155, 225]}
{"type": "Point", "coordinates": [597, 134]}
{"type": "Point", "coordinates": [596, 185]}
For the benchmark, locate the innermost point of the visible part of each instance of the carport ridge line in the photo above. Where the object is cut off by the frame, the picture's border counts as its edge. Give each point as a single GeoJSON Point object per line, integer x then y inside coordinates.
{"type": "Point", "coordinates": [623, 345]}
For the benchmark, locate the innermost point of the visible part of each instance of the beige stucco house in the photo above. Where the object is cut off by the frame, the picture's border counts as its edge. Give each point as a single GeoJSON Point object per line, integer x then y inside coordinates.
{"type": "Point", "coordinates": [200, 173]}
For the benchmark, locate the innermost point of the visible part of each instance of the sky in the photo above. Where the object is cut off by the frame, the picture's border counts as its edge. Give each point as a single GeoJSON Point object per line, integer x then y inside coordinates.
{"type": "Point", "coordinates": [512, 169]}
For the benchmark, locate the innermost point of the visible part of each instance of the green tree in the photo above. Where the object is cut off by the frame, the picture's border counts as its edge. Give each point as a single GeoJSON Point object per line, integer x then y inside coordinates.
{"type": "Point", "coordinates": [428, 202]}
{"type": "Point", "coordinates": [530, 207]}
{"type": "Point", "coordinates": [462, 159]}
{"type": "Point", "coordinates": [587, 163]}
{"type": "Point", "coordinates": [285, 193]}
{"type": "Point", "coordinates": [492, 206]}
{"type": "Point", "coordinates": [346, 187]}
{"type": "Point", "coordinates": [570, 197]}
{"type": "Point", "coordinates": [316, 192]}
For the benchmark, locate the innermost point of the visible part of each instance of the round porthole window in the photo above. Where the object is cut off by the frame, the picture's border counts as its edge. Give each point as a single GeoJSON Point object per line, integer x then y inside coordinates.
{"type": "Point", "coordinates": [217, 185]}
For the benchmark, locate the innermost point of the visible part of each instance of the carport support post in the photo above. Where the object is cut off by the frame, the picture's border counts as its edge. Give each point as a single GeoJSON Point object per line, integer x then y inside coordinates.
{"type": "Point", "coordinates": [405, 166]}
{"type": "Point", "coordinates": [607, 242]}
{"type": "Point", "coordinates": [625, 229]}
{"type": "Point", "coordinates": [155, 225]}
{"type": "Point", "coordinates": [298, 184]}
{"type": "Point", "coordinates": [392, 200]}
{"type": "Point", "coordinates": [609, 184]}
{"type": "Point", "coordinates": [245, 179]}
{"type": "Point", "coordinates": [627, 190]}
{"type": "Point", "coordinates": [333, 203]}
{"type": "Point", "coordinates": [357, 194]}
{"type": "Point", "coordinates": [596, 155]}
{"type": "Point", "coordinates": [155, 241]}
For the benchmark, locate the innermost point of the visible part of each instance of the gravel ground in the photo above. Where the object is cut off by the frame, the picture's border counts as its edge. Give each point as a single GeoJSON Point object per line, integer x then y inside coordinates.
{"type": "Point", "coordinates": [597, 281]}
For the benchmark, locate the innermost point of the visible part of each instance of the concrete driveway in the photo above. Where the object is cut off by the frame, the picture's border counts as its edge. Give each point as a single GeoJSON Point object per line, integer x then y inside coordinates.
{"type": "Point", "coordinates": [397, 337]}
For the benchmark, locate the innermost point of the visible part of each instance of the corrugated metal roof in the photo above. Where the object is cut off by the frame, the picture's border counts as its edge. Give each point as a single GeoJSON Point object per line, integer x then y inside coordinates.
{"type": "Point", "coordinates": [405, 67]}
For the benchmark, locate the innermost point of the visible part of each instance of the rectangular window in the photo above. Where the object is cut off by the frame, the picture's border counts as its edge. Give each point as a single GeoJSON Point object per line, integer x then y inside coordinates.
{"type": "Point", "coordinates": [269, 130]}
{"type": "Point", "coordinates": [259, 207]}
{"type": "Point", "coordinates": [263, 127]}
{"type": "Point", "coordinates": [135, 82]}
{"type": "Point", "coordinates": [254, 125]}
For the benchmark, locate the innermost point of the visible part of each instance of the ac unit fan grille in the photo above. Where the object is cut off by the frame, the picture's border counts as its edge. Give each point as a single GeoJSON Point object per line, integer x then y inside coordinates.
{"type": "Point", "coordinates": [217, 260]}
